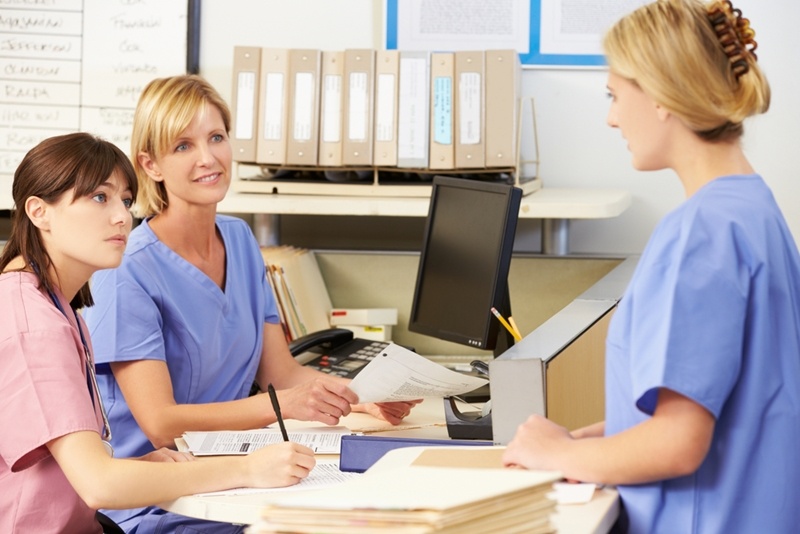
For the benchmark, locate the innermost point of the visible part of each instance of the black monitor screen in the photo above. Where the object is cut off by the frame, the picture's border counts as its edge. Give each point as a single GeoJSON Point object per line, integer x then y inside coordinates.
{"type": "Point", "coordinates": [466, 254]}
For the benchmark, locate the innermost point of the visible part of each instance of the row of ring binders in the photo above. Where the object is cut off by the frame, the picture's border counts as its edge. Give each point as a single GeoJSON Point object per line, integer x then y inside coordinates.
{"type": "Point", "coordinates": [376, 108]}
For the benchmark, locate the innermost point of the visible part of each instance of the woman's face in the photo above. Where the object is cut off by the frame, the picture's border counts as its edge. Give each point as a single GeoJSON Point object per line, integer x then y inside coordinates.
{"type": "Point", "coordinates": [89, 233]}
{"type": "Point", "coordinates": [641, 122]}
{"type": "Point", "coordinates": [195, 169]}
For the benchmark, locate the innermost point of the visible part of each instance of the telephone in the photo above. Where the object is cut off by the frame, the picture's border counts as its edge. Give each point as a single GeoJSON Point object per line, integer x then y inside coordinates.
{"type": "Point", "coordinates": [335, 351]}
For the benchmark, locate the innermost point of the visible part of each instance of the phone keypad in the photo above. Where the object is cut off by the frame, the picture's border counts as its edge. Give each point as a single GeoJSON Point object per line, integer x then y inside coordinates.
{"type": "Point", "coordinates": [347, 360]}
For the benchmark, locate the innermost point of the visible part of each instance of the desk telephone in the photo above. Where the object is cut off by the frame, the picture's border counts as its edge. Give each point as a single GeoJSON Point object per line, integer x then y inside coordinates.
{"type": "Point", "coordinates": [335, 351]}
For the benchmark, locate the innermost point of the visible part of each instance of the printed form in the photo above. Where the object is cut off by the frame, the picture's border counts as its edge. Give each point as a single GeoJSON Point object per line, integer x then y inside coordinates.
{"type": "Point", "coordinates": [398, 374]}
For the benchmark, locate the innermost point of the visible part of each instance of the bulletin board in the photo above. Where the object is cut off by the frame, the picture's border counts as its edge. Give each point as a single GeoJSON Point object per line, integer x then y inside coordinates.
{"type": "Point", "coordinates": [546, 33]}
{"type": "Point", "coordinates": [80, 65]}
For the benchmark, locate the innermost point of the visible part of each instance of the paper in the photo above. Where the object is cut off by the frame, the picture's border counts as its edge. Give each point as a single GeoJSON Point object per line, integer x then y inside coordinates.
{"type": "Point", "coordinates": [568, 493]}
{"type": "Point", "coordinates": [322, 440]}
{"type": "Point", "coordinates": [398, 374]}
{"type": "Point", "coordinates": [324, 474]}
{"type": "Point", "coordinates": [423, 488]}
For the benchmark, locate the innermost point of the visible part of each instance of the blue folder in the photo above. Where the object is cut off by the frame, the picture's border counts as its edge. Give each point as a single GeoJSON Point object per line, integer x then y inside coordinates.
{"type": "Point", "coordinates": [358, 453]}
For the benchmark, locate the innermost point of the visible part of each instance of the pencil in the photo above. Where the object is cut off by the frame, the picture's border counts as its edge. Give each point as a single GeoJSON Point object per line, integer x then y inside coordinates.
{"type": "Point", "coordinates": [514, 326]}
{"type": "Point", "coordinates": [507, 326]}
{"type": "Point", "coordinates": [277, 407]}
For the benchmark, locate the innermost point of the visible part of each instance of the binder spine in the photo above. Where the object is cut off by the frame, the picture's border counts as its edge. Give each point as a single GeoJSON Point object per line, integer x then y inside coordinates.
{"type": "Point", "coordinates": [246, 66]}
{"type": "Point", "coordinates": [413, 115]}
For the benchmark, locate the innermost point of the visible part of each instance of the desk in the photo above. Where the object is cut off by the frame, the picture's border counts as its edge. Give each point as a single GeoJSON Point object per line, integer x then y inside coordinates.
{"type": "Point", "coordinates": [426, 421]}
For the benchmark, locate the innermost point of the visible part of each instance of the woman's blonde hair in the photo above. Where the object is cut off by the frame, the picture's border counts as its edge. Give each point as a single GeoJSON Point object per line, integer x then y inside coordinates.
{"type": "Point", "coordinates": [696, 59]}
{"type": "Point", "coordinates": [166, 107]}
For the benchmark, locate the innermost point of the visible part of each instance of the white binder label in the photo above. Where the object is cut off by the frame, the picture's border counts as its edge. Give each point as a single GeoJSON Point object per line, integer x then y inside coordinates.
{"type": "Point", "coordinates": [245, 104]}
{"type": "Point", "coordinates": [412, 121]}
{"type": "Point", "coordinates": [469, 108]}
{"type": "Point", "coordinates": [384, 108]}
{"type": "Point", "coordinates": [332, 109]}
{"type": "Point", "coordinates": [359, 99]}
{"type": "Point", "coordinates": [303, 105]}
{"type": "Point", "coordinates": [273, 107]}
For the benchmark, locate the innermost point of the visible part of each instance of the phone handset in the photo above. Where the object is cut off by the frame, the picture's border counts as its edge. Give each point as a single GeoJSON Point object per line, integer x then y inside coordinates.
{"type": "Point", "coordinates": [330, 338]}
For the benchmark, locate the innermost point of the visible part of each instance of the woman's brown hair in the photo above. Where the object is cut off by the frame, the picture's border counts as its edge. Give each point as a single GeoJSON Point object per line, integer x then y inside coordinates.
{"type": "Point", "coordinates": [73, 164]}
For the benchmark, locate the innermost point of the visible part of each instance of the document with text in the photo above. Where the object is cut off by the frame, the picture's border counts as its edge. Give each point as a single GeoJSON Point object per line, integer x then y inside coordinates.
{"type": "Point", "coordinates": [322, 440]}
{"type": "Point", "coordinates": [326, 473]}
{"type": "Point", "coordinates": [398, 374]}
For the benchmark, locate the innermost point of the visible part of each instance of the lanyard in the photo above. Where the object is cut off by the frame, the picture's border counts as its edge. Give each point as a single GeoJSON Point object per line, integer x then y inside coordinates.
{"type": "Point", "coordinates": [91, 376]}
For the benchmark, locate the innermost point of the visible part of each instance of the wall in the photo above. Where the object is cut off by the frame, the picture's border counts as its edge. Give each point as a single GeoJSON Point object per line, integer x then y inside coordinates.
{"type": "Point", "coordinates": [539, 287]}
{"type": "Point", "coordinates": [577, 149]}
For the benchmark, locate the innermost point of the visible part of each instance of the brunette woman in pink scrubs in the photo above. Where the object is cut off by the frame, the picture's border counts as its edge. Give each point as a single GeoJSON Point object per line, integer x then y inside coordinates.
{"type": "Point", "coordinates": [72, 196]}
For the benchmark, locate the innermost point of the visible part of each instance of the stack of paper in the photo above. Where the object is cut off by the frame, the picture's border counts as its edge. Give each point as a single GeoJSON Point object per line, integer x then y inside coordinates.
{"type": "Point", "coordinates": [421, 499]}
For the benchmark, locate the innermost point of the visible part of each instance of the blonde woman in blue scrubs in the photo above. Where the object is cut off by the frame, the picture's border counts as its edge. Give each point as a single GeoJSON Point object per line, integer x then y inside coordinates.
{"type": "Point", "coordinates": [187, 322]}
{"type": "Point", "coordinates": [703, 353]}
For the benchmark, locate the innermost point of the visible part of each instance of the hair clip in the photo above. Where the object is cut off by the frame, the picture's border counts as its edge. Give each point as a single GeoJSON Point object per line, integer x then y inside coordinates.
{"type": "Point", "coordinates": [735, 35]}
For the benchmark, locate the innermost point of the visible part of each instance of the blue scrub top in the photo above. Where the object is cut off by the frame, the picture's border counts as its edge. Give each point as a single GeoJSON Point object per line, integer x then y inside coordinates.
{"type": "Point", "coordinates": [713, 313]}
{"type": "Point", "coordinates": [158, 306]}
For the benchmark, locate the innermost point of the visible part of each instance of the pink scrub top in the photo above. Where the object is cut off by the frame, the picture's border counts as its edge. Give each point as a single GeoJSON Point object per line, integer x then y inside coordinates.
{"type": "Point", "coordinates": [44, 395]}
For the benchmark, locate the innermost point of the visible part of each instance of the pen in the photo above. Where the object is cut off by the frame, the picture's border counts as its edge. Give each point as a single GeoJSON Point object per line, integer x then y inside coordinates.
{"type": "Point", "coordinates": [514, 326]}
{"type": "Point", "coordinates": [277, 407]}
{"type": "Point", "coordinates": [507, 326]}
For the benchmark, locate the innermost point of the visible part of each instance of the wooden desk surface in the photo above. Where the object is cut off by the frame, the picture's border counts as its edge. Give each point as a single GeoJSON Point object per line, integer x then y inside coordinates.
{"type": "Point", "coordinates": [426, 421]}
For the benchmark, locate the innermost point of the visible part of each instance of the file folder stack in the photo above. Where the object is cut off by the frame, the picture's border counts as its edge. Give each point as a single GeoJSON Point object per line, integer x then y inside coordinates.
{"type": "Point", "coordinates": [421, 499]}
{"type": "Point", "coordinates": [299, 290]}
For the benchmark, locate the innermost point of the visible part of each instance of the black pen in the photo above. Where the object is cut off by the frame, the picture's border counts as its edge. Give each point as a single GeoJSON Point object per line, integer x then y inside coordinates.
{"type": "Point", "coordinates": [277, 407]}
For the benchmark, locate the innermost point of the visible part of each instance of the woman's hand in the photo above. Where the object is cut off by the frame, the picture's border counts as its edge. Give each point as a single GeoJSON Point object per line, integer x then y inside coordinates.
{"type": "Point", "coordinates": [167, 455]}
{"type": "Point", "coordinates": [324, 399]}
{"type": "Point", "coordinates": [282, 464]}
{"type": "Point", "coordinates": [393, 412]}
{"type": "Point", "coordinates": [536, 444]}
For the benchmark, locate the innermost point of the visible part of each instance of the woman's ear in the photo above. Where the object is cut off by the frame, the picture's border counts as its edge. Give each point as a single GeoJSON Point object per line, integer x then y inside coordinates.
{"type": "Point", "coordinates": [662, 113]}
{"type": "Point", "coordinates": [150, 166]}
{"type": "Point", "coordinates": [38, 212]}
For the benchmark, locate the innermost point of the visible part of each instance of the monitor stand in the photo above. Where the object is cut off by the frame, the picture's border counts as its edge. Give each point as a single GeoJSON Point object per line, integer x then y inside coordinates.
{"type": "Point", "coordinates": [476, 425]}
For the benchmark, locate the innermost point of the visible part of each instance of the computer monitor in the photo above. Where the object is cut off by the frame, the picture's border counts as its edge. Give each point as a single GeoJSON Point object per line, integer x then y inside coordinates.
{"type": "Point", "coordinates": [464, 263]}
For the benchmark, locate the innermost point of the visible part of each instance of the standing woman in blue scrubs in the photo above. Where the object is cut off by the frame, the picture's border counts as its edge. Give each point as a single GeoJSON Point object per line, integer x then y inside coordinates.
{"type": "Point", "coordinates": [703, 353]}
{"type": "Point", "coordinates": [187, 322]}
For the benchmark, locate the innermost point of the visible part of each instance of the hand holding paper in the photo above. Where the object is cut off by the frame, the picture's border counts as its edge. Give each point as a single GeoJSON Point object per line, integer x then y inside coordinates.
{"type": "Point", "coordinates": [398, 374]}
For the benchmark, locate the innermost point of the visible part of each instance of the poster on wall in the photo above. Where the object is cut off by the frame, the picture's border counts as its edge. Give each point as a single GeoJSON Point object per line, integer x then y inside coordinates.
{"type": "Point", "coordinates": [546, 33]}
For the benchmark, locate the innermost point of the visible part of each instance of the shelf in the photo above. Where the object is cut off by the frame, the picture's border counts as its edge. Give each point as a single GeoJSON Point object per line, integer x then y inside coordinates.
{"type": "Point", "coordinates": [372, 181]}
{"type": "Point", "coordinates": [546, 203]}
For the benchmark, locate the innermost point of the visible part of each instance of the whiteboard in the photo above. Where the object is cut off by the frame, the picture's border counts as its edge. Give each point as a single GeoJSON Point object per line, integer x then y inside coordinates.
{"type": "Point", "coordinates": [80, 65]}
